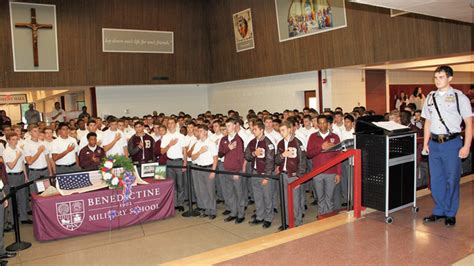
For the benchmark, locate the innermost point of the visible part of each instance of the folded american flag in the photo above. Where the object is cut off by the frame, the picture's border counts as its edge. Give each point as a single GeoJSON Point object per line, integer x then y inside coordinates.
{"type": "Point", "coordinates": [80, 182]}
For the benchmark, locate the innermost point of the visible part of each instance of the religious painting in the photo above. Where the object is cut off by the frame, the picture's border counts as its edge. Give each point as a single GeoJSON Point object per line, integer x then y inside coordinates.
{"type": "Point", "coordinates": [301, 18]}
{"type": "Point", "coordinates": [243, 31]}
{"type": "Point", "coordinates": [34, 37]}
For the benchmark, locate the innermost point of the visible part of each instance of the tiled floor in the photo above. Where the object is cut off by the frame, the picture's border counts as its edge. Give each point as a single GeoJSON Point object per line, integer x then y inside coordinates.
{"type": "Point", "coordinates": [147, 244]}
{"type": "Point", "coordinates": [372, 241]}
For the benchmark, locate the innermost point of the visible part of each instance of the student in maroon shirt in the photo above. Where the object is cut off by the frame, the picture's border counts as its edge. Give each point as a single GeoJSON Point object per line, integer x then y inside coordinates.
{"type": "Point", "coordinates": [160, 157]}
{"type": "Point", "coordinates": [325, 183]}
{"type": "Point", "coordinates": [291, 160]}
{"type": "Point", "coordinates": [260, 153]}
{"type": "Point", "coordinates": [231, 147]}
{"type": "Point", "coordinates": [141, 145]}
{"type": "Point", "coordinates": [91, 155]}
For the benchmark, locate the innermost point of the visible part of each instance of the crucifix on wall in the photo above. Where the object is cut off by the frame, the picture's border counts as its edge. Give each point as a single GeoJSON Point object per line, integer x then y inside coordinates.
{"type": "Point", "coordinates": [35, 27]}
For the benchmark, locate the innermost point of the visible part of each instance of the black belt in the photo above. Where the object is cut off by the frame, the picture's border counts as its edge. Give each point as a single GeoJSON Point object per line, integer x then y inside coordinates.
{"type": "Point", "coordinates": [42, 169]}
{"type": "Point", "coordinates": [175, 159]}
{"type": "Point", "coordinates": [443, 138]}
{"type": "Point", "coordinates": [70, 165]}
{"type": "Point", "coordinates": [284, 172]}
{"type": "Point", "coordinates": [20, 173]}
{"type": "Point", "coordinates": [205, 166]}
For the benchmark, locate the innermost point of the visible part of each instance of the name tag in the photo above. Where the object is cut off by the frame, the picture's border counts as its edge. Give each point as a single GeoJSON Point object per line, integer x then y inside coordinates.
{"type": "Point", "coordinates": [449, 99]}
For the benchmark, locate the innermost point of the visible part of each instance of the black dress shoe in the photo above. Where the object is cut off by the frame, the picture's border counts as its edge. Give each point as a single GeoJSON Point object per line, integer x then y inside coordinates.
{"type": "Point", "coordinates": [305, 207]}
{"type": "Point", "coordinates": [314, 203]}
{"type": "Point", "coordinates": [30, 212]}
{"type": "Point", "coordinates": [251, 202]}
{"type": "Point", "coordinates": [3, 262]}
{"type": "Point", "coordinates": [226, 212]}
{"type": "Point", "coordinates": [433, 218]}
{"type": "Point", "coordinates": [253, 216]}
{"type": "Point", "coordinates": [275, 210]}
{"type": "Point", "coordinates": [450, 221]}
{"type": "Point", "coordinates": [179, 208]}
{"type": "Point", "coordinates": [212, 217]}
{"type": "Point", "coordinates": [344, 204]}
{"type": "Point", "coordinates": [266, 224]}
{"type": "Point", "coordinates": [255, 221]}
{"type": "Point", "coordinates": [8, 228]}
{"type": "Point", "coordinates": [230, 218]}
{"type": "Point", "coordinates": [8, 255]}
{"type": "Point", "coordinates": [239, 220]}
{"type": "Point", "coordinates": [219, 201]}
{"type": "Point", "coordinates": [27, 222]}
{"type": "Point", "coordinates": [203, 215]}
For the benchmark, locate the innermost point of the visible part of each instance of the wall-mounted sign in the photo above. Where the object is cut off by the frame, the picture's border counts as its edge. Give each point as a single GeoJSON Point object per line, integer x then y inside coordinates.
{"type": "Point", "coordinates": [137, 41]}
{"type": "Point", "coordinates": [13, 99]}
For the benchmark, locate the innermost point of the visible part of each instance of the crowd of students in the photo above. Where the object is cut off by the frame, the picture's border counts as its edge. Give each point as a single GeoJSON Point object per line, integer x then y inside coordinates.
{"type": "Point", "coordinates": [290, 143]}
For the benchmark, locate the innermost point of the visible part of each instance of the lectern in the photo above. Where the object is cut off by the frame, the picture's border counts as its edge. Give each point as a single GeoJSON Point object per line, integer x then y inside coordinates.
{"type": "Point", "coordinates": [388, 166]}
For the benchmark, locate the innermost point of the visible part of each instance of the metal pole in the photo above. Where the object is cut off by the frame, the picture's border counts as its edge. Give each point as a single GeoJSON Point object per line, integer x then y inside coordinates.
{"type": "Point", "coordinates": [18, 245]}
{"type": "Point", "coordinates": [282, 202]}
{"type": "Point", "coordinates": [190, 212]}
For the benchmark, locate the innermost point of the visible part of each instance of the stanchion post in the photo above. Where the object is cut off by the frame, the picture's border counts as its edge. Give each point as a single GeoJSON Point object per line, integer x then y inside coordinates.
{"type": "Point", "coordinates": [282, 201]}
{"type": "Point", "coordinates": [357, 184]}
{"type": "Point", "coordinates": [190, 212]}
{"type": "Point", "coordinates": [18, 245]}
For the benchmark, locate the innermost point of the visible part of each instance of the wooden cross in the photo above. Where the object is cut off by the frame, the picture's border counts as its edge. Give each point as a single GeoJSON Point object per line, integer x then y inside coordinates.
{"type": "Point", "coordinates": [34, 26]}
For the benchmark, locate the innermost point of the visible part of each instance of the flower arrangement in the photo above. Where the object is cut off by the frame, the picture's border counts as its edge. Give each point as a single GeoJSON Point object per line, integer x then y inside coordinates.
{"type": "Point", "coordinates": [117, 179]}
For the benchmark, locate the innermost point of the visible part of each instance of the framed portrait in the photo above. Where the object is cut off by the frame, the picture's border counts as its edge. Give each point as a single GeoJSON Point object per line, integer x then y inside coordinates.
{"type": "Point", "coordinates": [148, 170]}
{"type": "Point", "coordinates": [160, 172]}
{"type": "Point", "coordinates": [243, 30]}
{"type": "Point", "coordinates": [302, 18]}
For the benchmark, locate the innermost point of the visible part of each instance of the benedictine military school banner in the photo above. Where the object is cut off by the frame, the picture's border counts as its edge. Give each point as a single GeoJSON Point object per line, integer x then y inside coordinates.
{"type": "Point", "coordinates": [301, 18]}
{"type": "Point", "coordinates": [243, 31]}
{"type": "Point", "coordinates": [137, 41]}
{"type": "Point", "coordinates": [57, 217]}
{"type": "Point", "coordinates": [34, 37]}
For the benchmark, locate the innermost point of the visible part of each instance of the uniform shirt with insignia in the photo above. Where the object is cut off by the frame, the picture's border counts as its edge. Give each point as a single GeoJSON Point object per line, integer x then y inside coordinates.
{"type": "Point", "coordinates": [448, 109]}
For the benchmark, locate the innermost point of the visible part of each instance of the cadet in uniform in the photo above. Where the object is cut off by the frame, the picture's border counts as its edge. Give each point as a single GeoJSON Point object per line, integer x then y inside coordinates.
{"type": "Point", "coordinates": [444, 111]}
{"type": "Point", "coordinates": [90, 157]}
{"type": "Point", "coordinates": [114, 141]}
{"type": "Point", "coordinates": [231, 148]}
{"type": "Point", "coordinates": [291, 160]}
{"type": "Point", "coordinates": [205, 156]}
{"type": "Point", "coordinates": [261, 153]}
{"type": "Point", "coordinates": [141, 145]}
{"type": "Point", "coordinates": [172, 144]}
{"type": "Point", "coordinates": [36, 156]}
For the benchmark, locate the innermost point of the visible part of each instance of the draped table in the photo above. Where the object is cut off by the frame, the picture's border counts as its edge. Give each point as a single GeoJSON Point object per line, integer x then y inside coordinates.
{"type": "Point", "coordinates": [59, 217]}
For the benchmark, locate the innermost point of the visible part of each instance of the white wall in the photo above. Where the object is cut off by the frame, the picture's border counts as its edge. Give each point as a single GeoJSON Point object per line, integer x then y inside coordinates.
{"type": "Point", "coordinates": [426, 77]}
{"type": "Point", "coordinates": [139, 100]}
{"type": "Point", "coordinates": [275, 93]}
{"type": "Point", "coordinates": [344, 88]}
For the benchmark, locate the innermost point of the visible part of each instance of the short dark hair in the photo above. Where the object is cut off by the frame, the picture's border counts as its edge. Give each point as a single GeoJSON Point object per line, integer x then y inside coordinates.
{"type": "Point", "coordinates": [325, 117]}
{"type": "Point", "coordinates": [92, 121]}
{"type": "Point", "coordinates": [203, 126]}
{"type": "Point", "coordinates": [349, 117]}
{"type": "Point", "coordinates": [138, 123]}
{"type": "Point", "coordinates": [446, 69]}
{"type": "Point", "coordinates": [91, 134]}
{"type": "Point", "coordinates": [63, 124]}
{"type": "Point", "coordinates": [230, 120]}
{"type": "Point", "coordinates": [259, 123]}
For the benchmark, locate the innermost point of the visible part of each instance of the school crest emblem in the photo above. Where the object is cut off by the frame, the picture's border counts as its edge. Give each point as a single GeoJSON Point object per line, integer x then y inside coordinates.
{"type": "Point", "coordinates": [70, 214]}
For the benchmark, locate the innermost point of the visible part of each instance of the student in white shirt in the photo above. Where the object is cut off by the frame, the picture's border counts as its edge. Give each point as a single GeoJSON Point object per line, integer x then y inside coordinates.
{"type": "Point", "coordinates": [113, 141]}
{"type": "Point", "coordinates": [36, 156]}
{"type": "Point", "coordinates": [91, 127]}
{"type": "Point", "coordinates": [338, 124]}
{"type": "Point", "coordinates": [273, 135]}
{"type": "Point", "coordinates": [189, 141]}
{"type": "Point", "coordinates": [48, 143]}
{"type": "Point", "coordinates": [348, 130]}
{"type": "Point", "coordinates": [155, 134]}
{"type": "Point", "coordinates": [172, 144]}
{"type": "Point", "coordinates": [340, 193]}
{"type": "Point", "coordinates": [205, 156]}
{"type": "Point", "coordinates": [64, 151]}
{"type": "Point", "coordinates": [81, 129]}
{"type": "Point", "coordinates": [248, 191]}
{"type": "Point", "coordinates": [17, 175]}
{"type": "Point", "coordinates": [307, 129]}
{"type": "Point", "coordinates": [216, 138]}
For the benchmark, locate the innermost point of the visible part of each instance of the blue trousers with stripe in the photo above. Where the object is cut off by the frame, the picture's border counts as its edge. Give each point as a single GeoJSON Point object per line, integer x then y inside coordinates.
{"type": "Point", "coordinates": [445, 172]}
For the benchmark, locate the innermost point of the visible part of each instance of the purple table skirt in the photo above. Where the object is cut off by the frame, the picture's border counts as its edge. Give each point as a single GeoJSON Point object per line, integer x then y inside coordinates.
{"type": "Point", "coordinates": [59, 217]}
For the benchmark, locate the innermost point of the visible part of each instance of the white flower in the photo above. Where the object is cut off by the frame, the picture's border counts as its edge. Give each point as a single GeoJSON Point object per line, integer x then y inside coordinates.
{"type": "Point", "coordinates": [108, 164]}
{"type": "Point", "coordinates": [115, 181]}
{"type": "Point", "coordinates": [107, 176]}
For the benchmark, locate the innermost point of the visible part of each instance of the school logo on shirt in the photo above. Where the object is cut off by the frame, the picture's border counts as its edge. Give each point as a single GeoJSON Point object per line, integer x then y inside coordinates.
{"type": "Point", "coordinates": [332, 140]}
{"type": "Point", "coordinates": [147, 144]}
{"type": "Point", "coordinates": [70, 214]}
